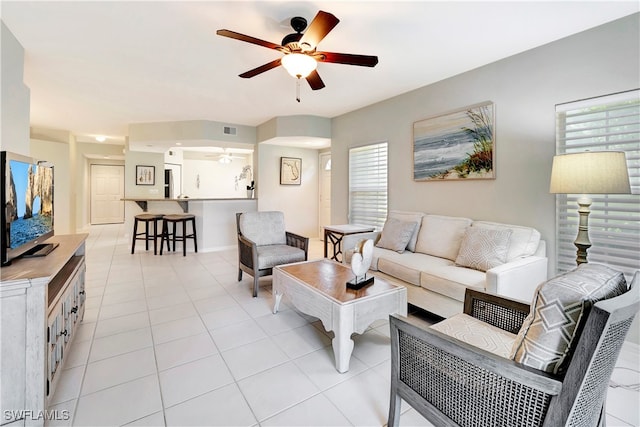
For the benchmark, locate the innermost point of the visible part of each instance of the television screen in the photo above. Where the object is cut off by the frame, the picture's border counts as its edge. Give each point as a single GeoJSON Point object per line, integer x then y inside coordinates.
{"type": "Point", "coordinates": [28, 200]}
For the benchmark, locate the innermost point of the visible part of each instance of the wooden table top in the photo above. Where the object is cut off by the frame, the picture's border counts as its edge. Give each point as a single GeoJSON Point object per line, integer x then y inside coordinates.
{"type": "Point", "coordinates": [330, 278]}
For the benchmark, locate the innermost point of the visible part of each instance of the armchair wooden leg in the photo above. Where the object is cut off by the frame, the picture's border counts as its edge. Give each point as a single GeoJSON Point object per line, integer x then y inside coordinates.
{"type": "Point", "coordinates": [394, 410]}
{"type": "Point", "coordinates": [255, 286]}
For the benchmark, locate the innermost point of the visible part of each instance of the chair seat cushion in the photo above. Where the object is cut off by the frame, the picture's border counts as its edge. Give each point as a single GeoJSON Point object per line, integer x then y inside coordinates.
{"type": "Point", "coordinates": [271, 255]}
{"type": "Point", "coordinates": [477, 333]}
{"type": "Point", "coordinates": [560, 306]}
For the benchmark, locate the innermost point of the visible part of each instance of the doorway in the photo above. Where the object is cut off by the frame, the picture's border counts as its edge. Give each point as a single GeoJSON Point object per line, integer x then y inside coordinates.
{"type": "Point", "coordinates": [107, 192]}
{"type": "Point", "coordinates": [324, 217]}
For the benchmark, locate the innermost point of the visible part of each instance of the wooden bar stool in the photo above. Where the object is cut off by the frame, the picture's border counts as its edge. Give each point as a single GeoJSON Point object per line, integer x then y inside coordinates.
{"type": "Point", "coordinates": [146, 235]}
{"type": "Point", "coordinates": [173, 236]}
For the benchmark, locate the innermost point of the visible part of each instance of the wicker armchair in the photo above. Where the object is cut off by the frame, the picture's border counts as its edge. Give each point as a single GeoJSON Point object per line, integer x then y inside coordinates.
{"type": "Point", "coordinates": [452, 383]}
{"type": "Point", "coordinates": [263, 243]}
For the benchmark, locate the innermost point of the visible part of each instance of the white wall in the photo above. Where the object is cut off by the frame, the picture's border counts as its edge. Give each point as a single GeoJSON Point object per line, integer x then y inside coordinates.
{"type": "Point", "coordinates": [217, 180]}
{"type": "Point", "coordinates": [298, 202]}
{"type": "Point", "coordinates": [14, 114]}
{"type": "Point", "coordinates": [525, 89]}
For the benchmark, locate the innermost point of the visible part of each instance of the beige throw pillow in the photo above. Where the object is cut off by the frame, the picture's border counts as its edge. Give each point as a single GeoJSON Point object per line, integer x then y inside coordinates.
{"type": "Point", "coordinates": [409, 217]}
{"type": "Point", "coordinates": [559, 308]}
{"type": "Point", "coordinates": [396, 235]}
{"type": "Point", "coordinates": [483, 248]}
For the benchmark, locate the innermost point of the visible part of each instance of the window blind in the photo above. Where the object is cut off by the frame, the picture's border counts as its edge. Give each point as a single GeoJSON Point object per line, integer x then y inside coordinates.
{"type": "Point", "coordinates": [368, 185]}
{"type": "Point", "coordinates": [604, 123]}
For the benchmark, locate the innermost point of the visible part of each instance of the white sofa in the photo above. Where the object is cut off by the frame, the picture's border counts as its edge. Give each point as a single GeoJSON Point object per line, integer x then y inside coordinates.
{"type": "Point", "coordinates": [445, 255]}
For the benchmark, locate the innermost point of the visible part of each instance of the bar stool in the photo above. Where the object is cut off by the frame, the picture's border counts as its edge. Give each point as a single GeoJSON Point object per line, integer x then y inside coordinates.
{"type": "Point", "coordinates": [145, 235]}
{"type": "Point", "coordinates": [172, 235]}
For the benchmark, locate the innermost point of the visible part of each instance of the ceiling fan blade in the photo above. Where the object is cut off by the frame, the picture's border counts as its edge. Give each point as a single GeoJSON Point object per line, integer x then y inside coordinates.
{"type": "Point", "coordinates": [321, 25]}
{"type": "Point", "coordinates": [261, 69]}
{"type": "Point", "coordinates": [315, 81]}
{"type": "Point", "coordinates": [347, 58]}
{"type": "Point", "coordinates": [248, 39]}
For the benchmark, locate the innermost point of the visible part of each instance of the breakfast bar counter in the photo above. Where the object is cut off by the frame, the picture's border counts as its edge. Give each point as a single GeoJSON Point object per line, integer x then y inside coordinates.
{"type": "Point", "coordinates": [215, 217]}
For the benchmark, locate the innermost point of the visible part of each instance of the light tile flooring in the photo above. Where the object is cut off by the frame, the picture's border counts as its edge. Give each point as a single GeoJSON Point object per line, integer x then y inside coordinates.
{"type": "Point", "coordinates": [173, 340]}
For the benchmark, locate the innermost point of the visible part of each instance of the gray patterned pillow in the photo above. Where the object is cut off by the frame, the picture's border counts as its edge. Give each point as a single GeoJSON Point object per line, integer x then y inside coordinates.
{"type": "Point", "coordinates": [483, 248]}
{"type": "Point", "coordinates": [560, 305]}
{"type": "Point", "coordinates": [396, 234]}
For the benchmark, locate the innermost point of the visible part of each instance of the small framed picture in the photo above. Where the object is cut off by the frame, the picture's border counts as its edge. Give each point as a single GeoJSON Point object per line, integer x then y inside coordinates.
{"type": "Point", "coordinates": [290, 171]}
{"type": "Point", "coordinates": [145, 175]}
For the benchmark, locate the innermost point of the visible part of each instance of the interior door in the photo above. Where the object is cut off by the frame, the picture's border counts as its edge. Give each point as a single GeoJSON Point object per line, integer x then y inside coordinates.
{"type": "Point", "coordinates": [107, 191]}
{"type": "Point", "coordinates": [325, 193]}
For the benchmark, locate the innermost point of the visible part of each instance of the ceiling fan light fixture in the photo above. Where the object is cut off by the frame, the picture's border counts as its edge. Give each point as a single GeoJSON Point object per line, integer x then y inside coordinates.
{"type": "Point", "coordinates": [299, 65]}
{"type": "Point", "coordinates": [225, 160]}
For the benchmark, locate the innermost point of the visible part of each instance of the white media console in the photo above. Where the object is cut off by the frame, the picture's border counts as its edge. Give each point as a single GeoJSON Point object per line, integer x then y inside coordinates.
{"type": "Point", "coordinates": [41, 303]}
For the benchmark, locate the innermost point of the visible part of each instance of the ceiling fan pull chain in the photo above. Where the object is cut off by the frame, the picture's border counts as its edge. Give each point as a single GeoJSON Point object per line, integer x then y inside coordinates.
{"type": "Point", "coordinates": [298, 89]}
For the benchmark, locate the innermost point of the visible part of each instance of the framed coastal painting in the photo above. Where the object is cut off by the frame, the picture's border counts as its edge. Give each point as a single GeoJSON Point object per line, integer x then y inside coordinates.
{"type": "Point", "coordinates": [290, 171]}
{"type": "Point", "coordinates": [459, 145]}
{"type": "Point", "coordinates": [145, 175]}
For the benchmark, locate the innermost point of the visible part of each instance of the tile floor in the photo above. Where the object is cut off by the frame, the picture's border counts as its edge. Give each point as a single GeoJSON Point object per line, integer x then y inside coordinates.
{"type": "Point", "coordinates": [177, 340]}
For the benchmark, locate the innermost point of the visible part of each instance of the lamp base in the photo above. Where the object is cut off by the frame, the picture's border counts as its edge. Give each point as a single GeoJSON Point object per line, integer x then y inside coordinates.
{"type": "Point", "coordinates": [582, 241]}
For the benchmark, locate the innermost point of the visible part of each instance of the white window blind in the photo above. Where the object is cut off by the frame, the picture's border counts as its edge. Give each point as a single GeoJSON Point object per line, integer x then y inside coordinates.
{"type": "Point", "coordinates": [368, 185]}
{"type": "Point", "coordinates": [605, 123]}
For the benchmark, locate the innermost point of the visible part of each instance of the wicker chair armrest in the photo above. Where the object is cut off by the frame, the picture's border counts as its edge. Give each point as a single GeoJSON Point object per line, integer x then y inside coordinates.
{"type": "Point", "coordinates": [298, 241]}
{"type": "Point", "coordinates": [504, 313]}
{"type": "Point", "coordinates": [481, 360]}
{"type": "Point", "coordinates": [248, 252]}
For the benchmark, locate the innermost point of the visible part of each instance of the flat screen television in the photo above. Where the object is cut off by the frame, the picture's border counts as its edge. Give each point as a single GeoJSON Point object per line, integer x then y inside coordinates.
{"type": "Point", "coordinates": [26, 197]}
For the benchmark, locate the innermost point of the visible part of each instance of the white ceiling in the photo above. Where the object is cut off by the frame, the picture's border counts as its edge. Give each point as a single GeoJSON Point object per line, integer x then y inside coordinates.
{"type": "Point", "coordinates": [94, 67]}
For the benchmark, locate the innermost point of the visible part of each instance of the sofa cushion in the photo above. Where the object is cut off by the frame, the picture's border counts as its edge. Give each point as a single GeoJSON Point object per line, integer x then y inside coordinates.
{"type": "Point", "coordinates": [441, 235]}
{"type": "Point", "coordinates": [483, 248]}
{"type": "Point", "coordinates": [477, 333]}
{"type": "Point", "coordinates": [451, 280]}
{"type": "Point", "coordinates": [410, 217]}
{"type": "Point", "coordinates": [396, 234]}
{"type": "Point", "coordinates": [264, 228]}
{"type": "Point", "coordinates": [524, 241]}
{"type": "Point", "coordinates": [271, 255]}
{"type": "Point", "coordinates": [559, 308]}
{"type": "Point", "coordinates": [408, 266]}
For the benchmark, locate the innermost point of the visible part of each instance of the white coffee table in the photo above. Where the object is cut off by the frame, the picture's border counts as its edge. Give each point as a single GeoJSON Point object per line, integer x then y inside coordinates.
{"type": "Point", "coordinates": [318, 288]}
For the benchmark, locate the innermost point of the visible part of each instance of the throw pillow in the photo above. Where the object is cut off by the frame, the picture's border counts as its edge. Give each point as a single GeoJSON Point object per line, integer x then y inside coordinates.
{"type": "Point", "coordinates": [559, 308]}
{"type": "Point", "coordinates": [409, 217]}
{"type": "Point", "coordinates": [396, 235]}
{"type": "Point", "coordinates": [483, 248]}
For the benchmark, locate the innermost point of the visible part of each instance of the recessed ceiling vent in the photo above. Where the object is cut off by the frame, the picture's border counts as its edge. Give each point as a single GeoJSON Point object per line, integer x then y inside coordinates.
{"type": "Point", "coordinates": [228, 130]}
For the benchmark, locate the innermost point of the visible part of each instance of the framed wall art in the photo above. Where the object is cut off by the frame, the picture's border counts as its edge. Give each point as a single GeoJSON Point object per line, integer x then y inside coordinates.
{"type": "Point", "coordinates": [455, 146]}
{"type": "Point", "coordinates": [290, 171]}
{"type": "Point", "coordinates": [145, 175]}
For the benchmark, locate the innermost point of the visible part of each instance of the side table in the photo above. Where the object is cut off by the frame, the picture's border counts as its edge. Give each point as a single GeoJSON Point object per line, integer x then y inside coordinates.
{"type": "Point", "coordinates": [335, 233]}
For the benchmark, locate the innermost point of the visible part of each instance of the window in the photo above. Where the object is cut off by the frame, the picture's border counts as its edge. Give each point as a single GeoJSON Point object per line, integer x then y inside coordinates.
{"type": "Point", "coordinates": [368, 185]}
{"type": "Point", "coordinates": [604, 123]}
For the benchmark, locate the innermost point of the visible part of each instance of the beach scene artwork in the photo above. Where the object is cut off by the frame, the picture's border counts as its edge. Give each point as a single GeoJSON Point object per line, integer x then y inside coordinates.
{"type": "Point", "coordinates": [454, 146]}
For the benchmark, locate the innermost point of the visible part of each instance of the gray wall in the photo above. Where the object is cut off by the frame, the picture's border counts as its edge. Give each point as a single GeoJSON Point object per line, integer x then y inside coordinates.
{"type": "Point", "coordinates": [525, 89]}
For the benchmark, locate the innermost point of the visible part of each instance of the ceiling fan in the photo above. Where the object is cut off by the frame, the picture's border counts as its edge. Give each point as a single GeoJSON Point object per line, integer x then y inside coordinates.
{"type": "Point", "coordinates": [225, 157]}
{"type": "Point", "coordinates": [300, 57]}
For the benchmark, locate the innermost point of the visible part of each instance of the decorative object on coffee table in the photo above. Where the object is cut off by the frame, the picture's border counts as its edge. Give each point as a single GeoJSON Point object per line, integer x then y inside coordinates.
{"type": "Point", "coordinates": [455, 145]}
{"type": "Point", "coordinates": [290, 171]}
{"type": "Point", "coordinates": [360, 263]}
{"type": "Point", "coordinates": [589, 172]}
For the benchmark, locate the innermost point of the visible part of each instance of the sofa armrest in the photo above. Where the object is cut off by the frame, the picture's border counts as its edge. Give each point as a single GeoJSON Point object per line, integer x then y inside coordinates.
{"type": "Point", "coordinates": [517, 279]}
{"type": "Point", "coordinates": [349, 242]}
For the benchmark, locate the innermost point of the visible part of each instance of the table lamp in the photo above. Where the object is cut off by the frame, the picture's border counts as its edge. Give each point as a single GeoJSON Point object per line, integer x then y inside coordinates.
{"type": "Point", "coordinates": [589, 172]}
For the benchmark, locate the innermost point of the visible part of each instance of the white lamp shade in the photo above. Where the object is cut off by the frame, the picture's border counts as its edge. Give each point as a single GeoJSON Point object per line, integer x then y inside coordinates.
{"type": "Point", "coordinates": [590, 172]}
{"type": "Point", "coordinates": [298, 64]}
